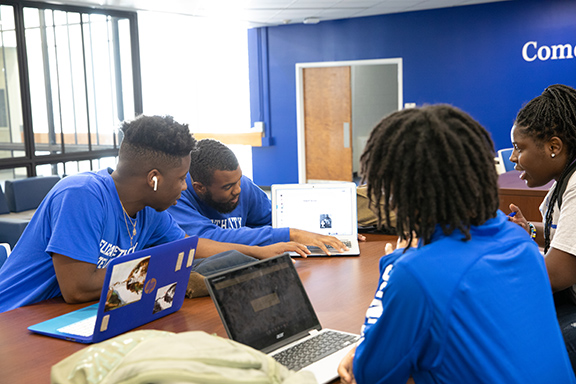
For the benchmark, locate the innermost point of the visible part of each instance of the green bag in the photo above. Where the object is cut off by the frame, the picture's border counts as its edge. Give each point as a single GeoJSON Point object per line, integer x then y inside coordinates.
{"type": "Point", "coordinates": [150, 356]}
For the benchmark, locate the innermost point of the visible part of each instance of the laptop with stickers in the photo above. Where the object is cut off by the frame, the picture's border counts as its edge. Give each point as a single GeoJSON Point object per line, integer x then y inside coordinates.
{"type": "Point", "coordinates": [138, 288]}
{"type": "Point", "coordinates": [264, 305]}
{"type": "Point", "coordinates": [326, 208]}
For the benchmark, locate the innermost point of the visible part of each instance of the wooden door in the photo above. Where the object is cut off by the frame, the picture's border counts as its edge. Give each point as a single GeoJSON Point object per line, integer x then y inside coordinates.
{"type": "Point", "coordinates": [327, 123]}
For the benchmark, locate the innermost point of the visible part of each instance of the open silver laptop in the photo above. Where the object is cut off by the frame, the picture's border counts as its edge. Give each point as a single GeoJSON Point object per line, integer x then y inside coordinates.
{"type": "Point", "coordinates": [264, 305]}
{"type": "Point", "coordinates": [326, 208]}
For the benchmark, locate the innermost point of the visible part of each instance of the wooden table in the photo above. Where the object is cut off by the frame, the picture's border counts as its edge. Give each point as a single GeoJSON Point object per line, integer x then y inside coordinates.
{"type": "Point", "coordinates": [340, 288]}
{"type": "Point", "coordinates": [512, 189]}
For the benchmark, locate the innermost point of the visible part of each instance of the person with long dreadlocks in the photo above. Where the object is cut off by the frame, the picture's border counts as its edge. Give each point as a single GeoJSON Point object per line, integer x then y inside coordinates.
{"type": "Point", "coordinates": [470, 302]}
{"type": "Point", "coordinates": [544, 141]}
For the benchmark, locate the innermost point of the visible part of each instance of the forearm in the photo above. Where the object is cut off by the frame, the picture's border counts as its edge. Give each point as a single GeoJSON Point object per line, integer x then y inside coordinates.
{"type": "Point", "coordinates": [241, 231]}
{"type": "Point", "coordinates": [207, 248]}
{"type": "Point", "coordinates": [248, 236]}
{"type": "Point", "coordinates": [88, 289]}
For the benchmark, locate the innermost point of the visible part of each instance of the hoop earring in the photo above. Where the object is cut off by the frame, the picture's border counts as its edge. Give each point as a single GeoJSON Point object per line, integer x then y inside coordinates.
{"type": "Point", "coordinates": [155, 179]}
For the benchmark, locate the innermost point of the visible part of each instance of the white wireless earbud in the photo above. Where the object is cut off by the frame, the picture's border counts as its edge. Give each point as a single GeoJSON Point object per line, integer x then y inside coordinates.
{"type": "Point", "coordinates": [155, 183]}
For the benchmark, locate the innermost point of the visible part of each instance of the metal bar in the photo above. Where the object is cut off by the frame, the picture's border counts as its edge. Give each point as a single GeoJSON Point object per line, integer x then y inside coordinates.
{"type": "Point", "coordinates": [72, 79]}
{"type": "Point", "coordinates": [84, 64]}
{"type": "Point", "coordinates": [47, 78]}
{"type": "Point", "coordinates": [117, 69]}
{"type": "Point", "coordinates": [27, 125]}
{"type": "Point", "coordinates": [63, 150]}
{"type": "Point", "coordinates": [136, 71]}
{"type": "Point", "coordinates": [93, 77]}
{"type": "Point", "coordinates": [110, 60]}
{"type": "Point", "coordinates": [7, 93]}
{"type": "Point", "coordinates": [58, 158]}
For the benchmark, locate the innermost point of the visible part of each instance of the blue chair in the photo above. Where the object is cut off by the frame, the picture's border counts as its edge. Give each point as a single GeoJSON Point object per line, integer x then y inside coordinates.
{"type": "Point", "coordinates": [10, 227]}
{"type": "Point", "coordinates": [27, 194]}
{"type": "Point", "coordinates": [504, 157]}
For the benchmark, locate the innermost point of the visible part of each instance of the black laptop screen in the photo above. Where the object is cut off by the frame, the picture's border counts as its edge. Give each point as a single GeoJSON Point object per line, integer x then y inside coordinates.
{"type": "Point", "coordinates": [264, 303]}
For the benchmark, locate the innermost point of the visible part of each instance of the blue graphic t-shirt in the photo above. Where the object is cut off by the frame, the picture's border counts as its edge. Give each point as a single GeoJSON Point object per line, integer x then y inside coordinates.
{"type": "Point", "coordinates": [80, 218]}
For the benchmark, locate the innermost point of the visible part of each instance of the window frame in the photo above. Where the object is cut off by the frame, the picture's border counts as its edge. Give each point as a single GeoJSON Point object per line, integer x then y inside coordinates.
{"type": "Point", "coordinates": [30, 161]}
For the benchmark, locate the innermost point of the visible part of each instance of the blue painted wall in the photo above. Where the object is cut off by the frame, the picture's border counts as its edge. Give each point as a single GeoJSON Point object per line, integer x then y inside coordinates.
{"type": "Point", "coordinates": [470, 57]}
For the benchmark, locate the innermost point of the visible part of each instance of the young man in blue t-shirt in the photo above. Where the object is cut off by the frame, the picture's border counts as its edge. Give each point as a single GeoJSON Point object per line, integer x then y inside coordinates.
{"type": "Point", "coordinates": [89, 218]}
{"type": "Point", "coordinates": [223, 205]}
{"type": "Point", "coordinates": [468, 299]}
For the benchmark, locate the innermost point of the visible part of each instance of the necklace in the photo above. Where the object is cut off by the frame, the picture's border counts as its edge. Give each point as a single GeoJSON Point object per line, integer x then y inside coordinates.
{"type": "Point", "coordinates": [133, 223]}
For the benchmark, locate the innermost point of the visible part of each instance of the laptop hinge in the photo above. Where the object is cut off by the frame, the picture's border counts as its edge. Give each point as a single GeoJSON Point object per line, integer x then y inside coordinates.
{"type": "Point", "coordinates": [313, 332]}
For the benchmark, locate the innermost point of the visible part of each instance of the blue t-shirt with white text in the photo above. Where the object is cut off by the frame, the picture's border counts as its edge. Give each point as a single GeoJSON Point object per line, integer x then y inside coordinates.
{"type": "Point", "coordinates": [81, 218]}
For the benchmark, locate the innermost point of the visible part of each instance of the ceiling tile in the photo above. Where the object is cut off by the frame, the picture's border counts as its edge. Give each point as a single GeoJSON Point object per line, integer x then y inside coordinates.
{"type": "Point", "coordinates": [275, 12]}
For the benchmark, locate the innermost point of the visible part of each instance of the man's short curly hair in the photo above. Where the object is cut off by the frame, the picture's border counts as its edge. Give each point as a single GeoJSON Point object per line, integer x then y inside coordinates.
{"type": "Point", "coordinates": [156, 139]}
{"type": "Point", "coordinates": [211, 155]}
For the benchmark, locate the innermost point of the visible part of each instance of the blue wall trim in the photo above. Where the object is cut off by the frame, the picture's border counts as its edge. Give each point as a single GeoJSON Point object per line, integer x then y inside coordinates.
{"type": "Point", "coordinates": [469, 56]}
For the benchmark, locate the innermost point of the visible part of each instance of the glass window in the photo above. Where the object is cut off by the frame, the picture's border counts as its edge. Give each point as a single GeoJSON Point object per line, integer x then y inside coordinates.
{"type": "Point", "coordinates": [80, 82]}
{"type": "Point", "coordinates": [73, 167]}
{"type": "Point", "coordinates": [11, 135]}
{"type": "Point", "coordinates": [11, 174]}
{"type": "Point", "coordinates": [81, 79]}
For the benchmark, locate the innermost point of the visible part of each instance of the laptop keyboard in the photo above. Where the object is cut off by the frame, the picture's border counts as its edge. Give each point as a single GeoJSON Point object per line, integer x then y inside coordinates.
{"type": "Point", "coordinates": [80, 328]}
{"type": "Point", "coordinates": [308, 352]}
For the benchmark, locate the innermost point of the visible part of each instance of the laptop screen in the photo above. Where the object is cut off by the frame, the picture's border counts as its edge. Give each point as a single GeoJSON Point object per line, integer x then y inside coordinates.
{"type": "Point", "coordinates": [328, 209]}
{"type": "Point", "coordinates": [263, 303]}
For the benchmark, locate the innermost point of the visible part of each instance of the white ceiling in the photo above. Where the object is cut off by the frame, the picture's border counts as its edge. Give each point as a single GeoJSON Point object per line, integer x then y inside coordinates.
{"type": "Point", "coordinates": [274, 12]}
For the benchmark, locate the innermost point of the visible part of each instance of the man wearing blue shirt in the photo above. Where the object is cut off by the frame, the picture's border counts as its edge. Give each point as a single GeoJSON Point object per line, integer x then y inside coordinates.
{"type": "Point", "coordinates": [223, 205]}
{"type": "Point", "coordinates": [89, 218]}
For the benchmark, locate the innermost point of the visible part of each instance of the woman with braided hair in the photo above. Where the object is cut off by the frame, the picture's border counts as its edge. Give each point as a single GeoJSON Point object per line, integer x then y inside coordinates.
{"type": "Point", "coordinates": [544, 141]}
{"type": "Point", "coordinates": [470, 301]}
